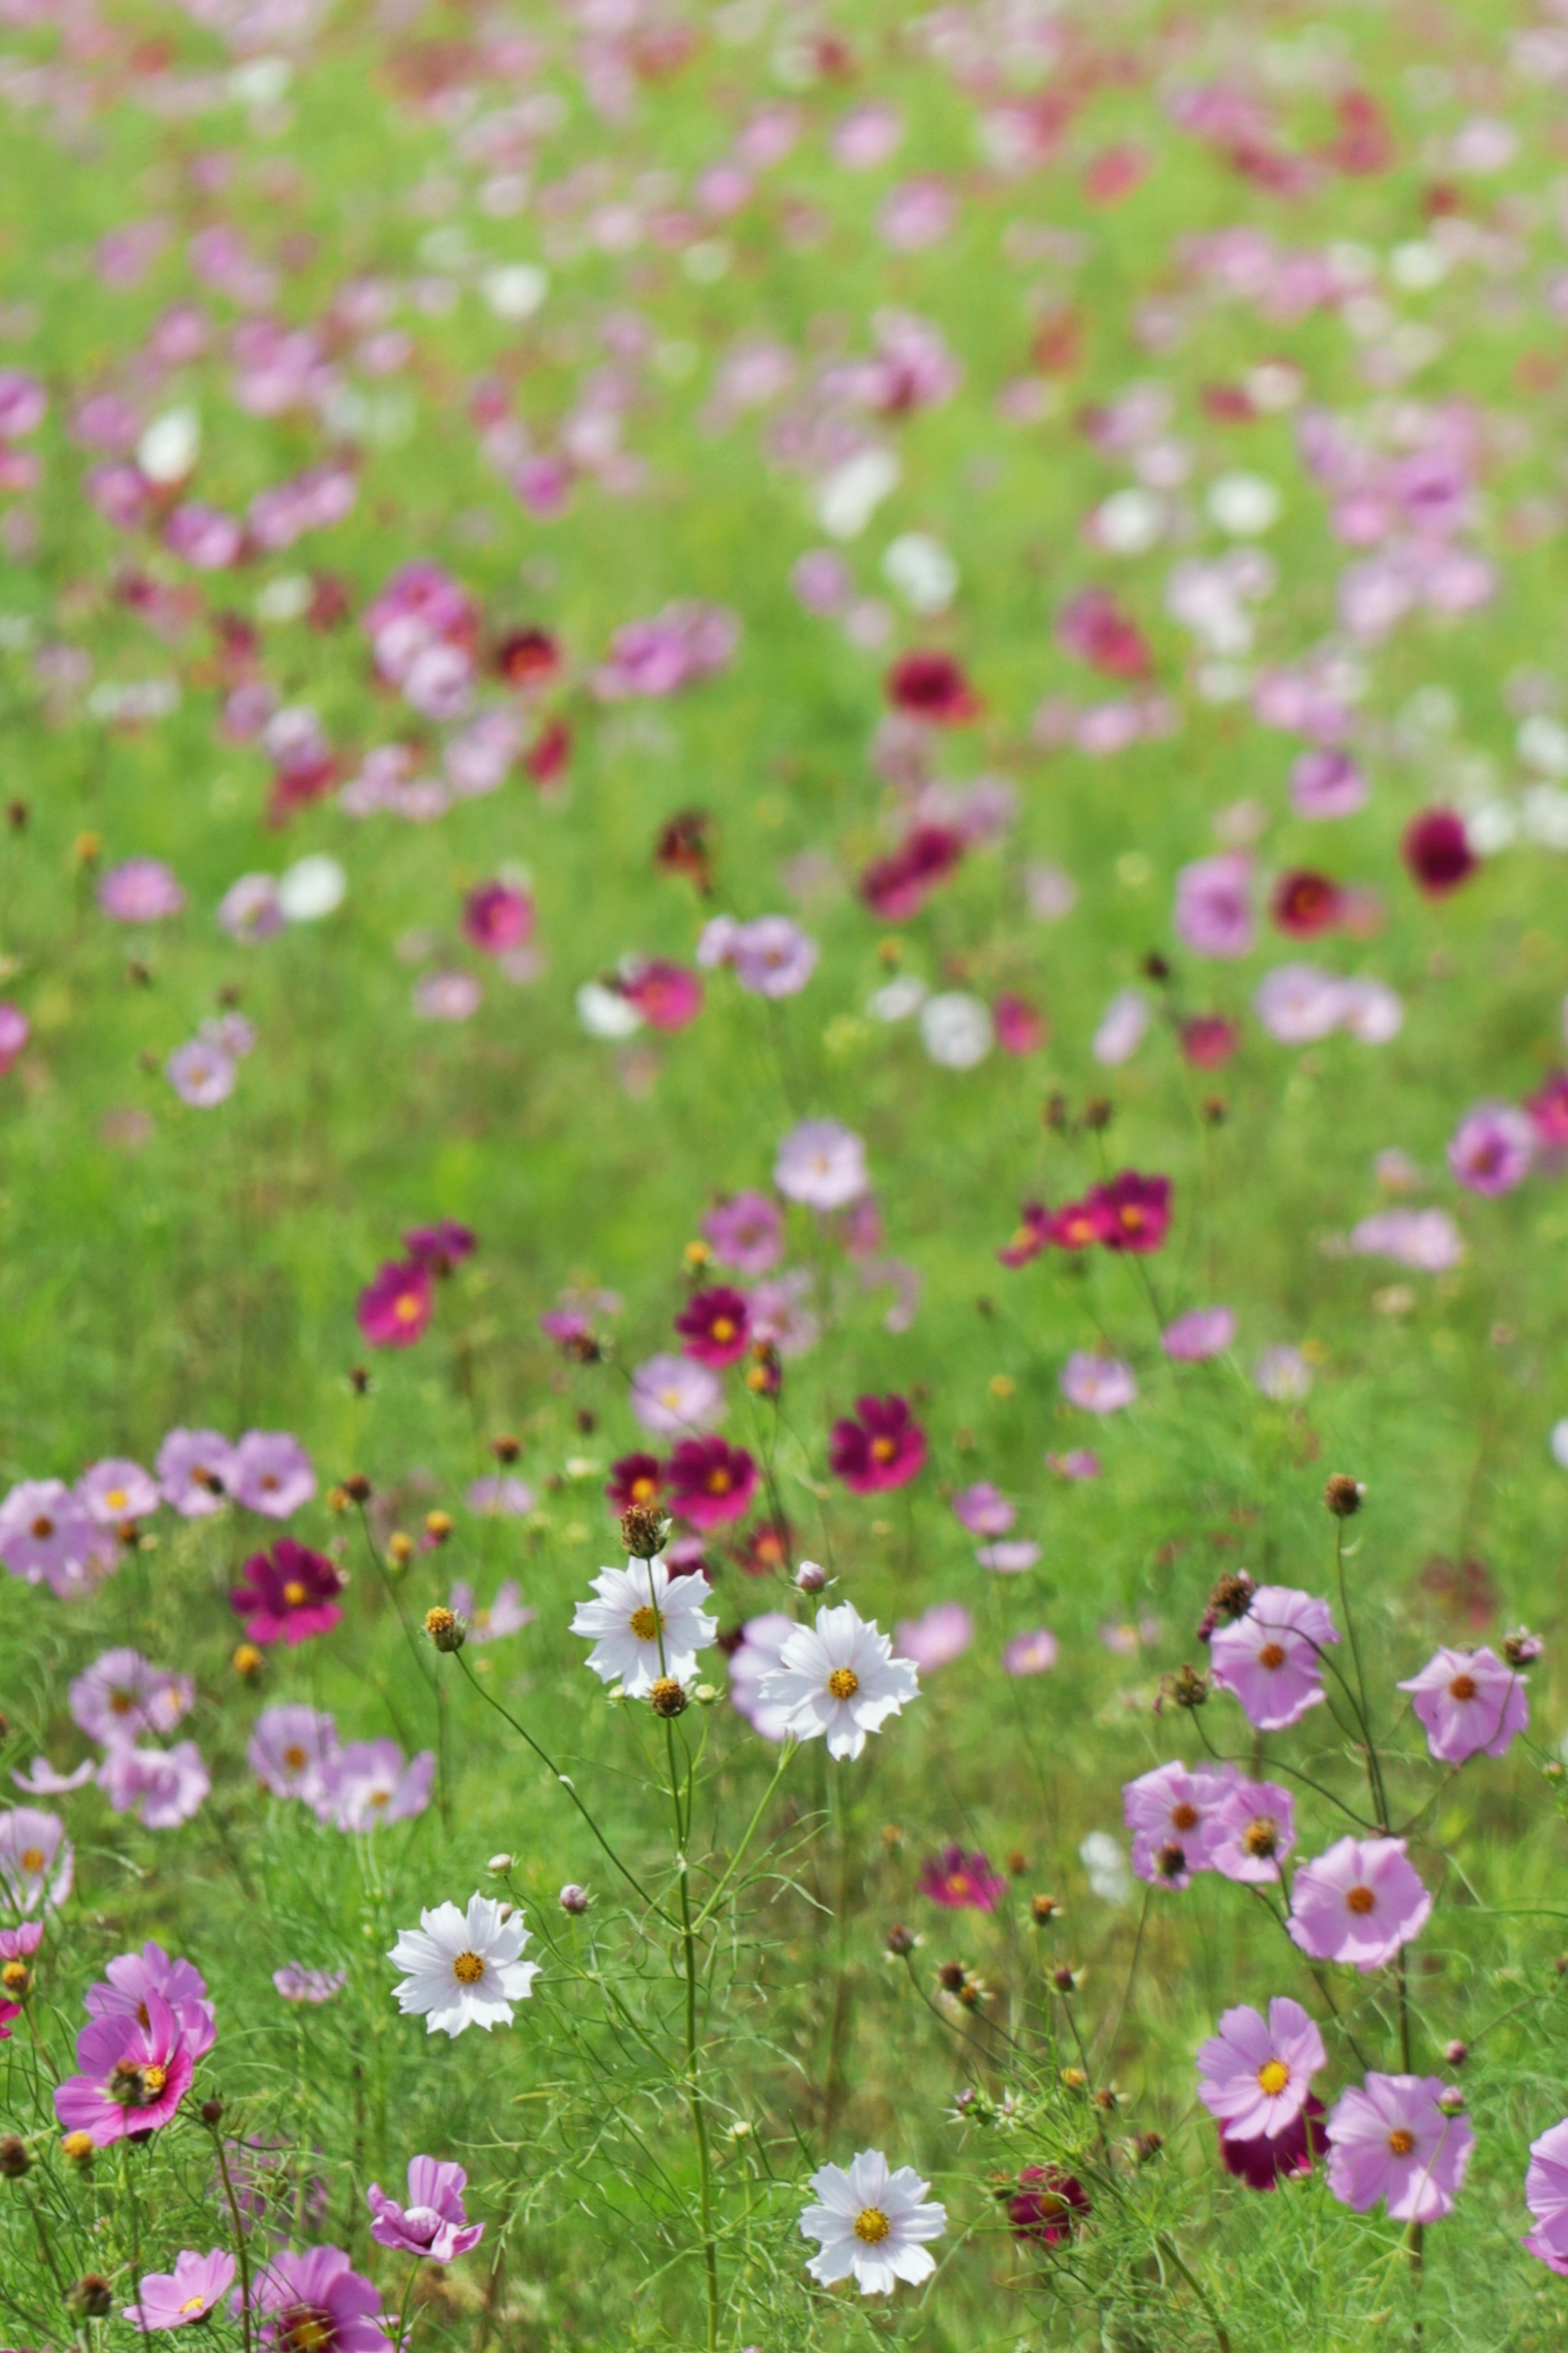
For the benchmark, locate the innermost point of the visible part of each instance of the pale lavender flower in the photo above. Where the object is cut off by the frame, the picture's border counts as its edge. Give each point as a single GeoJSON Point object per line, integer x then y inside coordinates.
{"type": "Point", "coordinates": [1213, 905]}
{"type": "Point", "coordinates": [448, 997]}
{"type": "Point", "coordinates": [937, 1636]}
{"type": "Point", "coordinates": [201, 1074]}
{"type": "Point", "coordinates": [761, 1643]}
{"type": "Point", "coordinates": [821, 1165]}
{"type": "Point", "coordinates": [37, 1862]}
{"type": "Point", "coordinates": [490, 1621]}
{"type": "Point", "coordinates": [163, 1786]}
{"type": "Point", "coordinates": [1123, 1028]}
{"type": "Point", "coordinates": [1492, 1148]}
{"type": "Point", "coordinates": [47, 1538]}
{"type": "Point", "coordinates": [672, 1396]}
{"type": "Point", "coordinates": [295, 1982]}
{"type": "Point", "coordinates": [500, 1498]}
{"type": "Point", "coordinates": [782, 1313]}
{"type": "Point", "coordinates": [1283, 1374]}
{"type": "Point", "coordinates": [771, 957]}
{"type": "Point", "coordinates": [140, 891]}
{"type": "Point", "coordinates": [196, 1471]}
{"type": "Point", "coordinates": [1030, 1654]}
{"type": "Point", "coordinates": [983, 1510]}
{"type": "Point", "coordinates": [116, 1490]}
{"type": "Point", "coordinates": [189, 2294]}
{"type": "Point", "coordinates": [1425, 1239]}
{"type": "Point", "coordinates": [1201, 1333]}
{"type": "Point", "coordinates": [292, 1751]}
{"type": "Point", "coordinates": [1395, 2140]}
{"type": "Point", "coordinates": [272, 1473]}
{"type": "Point", "coordinates": [369, 1783]}
{"type": "Point", "coordinates": [1326, 782]}
{"type": "Point", "coordinates": [1009, 1558]}
{"type": "Point", "coordinates": [1358, 1903]}
{"type": "Point", "coordinates": [1098, 1384]}
{"type": "Point", "coordinates": [1255, 2073]}
{"type": "Point", "coordinates": [434, 2222]}
{"type": "Point", "coordinates": [1297, 1004]}
{"type": "Point", "coordinates": [122, 1696]}
{"type": "Point", "coordinates": [746, 1233]}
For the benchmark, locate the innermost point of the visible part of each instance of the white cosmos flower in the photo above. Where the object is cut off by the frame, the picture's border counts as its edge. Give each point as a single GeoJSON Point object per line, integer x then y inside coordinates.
{"type": "Point", "coordinates": [464, 1969]}
{"type": "Point", "coordinates": [871, 2223]}
{"type": "Point", "coordinates": [645, 1624]}
{"type": "Point", "coordinates": [841, 1680]}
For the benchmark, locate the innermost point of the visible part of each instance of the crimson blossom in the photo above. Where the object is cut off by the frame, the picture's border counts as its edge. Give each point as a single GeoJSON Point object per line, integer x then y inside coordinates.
{"type": "Point", "coordinates": [710, 1481]}
{"type": "Point", "coordinates": [1136, 1211]}
{"type": "Point", "coordinates": [932, 687]}
{"type": "Point", "coordinates": [884, 1447]}
{"type": "Point", "coordinates": [395, 1307]}
{"type": "Point", "coordinates": [289, 1596]}
{"type": "Point", "coordinates": [716, 1327]}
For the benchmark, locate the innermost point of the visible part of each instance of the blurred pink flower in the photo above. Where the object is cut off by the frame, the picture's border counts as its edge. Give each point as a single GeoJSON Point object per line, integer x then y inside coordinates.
{"type": "Point", "coordinates": [1358, 1903]}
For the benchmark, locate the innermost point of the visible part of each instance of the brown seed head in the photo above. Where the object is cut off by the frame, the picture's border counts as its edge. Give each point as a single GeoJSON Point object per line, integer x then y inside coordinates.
{"type": "Point", "coordinates": [668, 1697]}
{"type": "Point", "coordinates": [1043, 1909]}
{"type": "Point", "coordinates": [644, 1531]}
{"type": "Point", "coordinates": [1343, 1495]}
{"type": "Point", "coordinates": [14, 2158]}
{"type": "Point", "coordinates": [506, 1449]}
{"type": "Point", "coordinates": [91, 2297]}
{"type": "Point", "coordinates": [901, 1940]}
{"type": "Point", "coordinates": [357, 1487]}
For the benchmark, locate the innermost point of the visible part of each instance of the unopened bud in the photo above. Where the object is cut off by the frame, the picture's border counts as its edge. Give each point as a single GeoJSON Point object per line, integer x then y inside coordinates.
{"type": "Point", "coordinates": [444, 1627]}
{"type": "Point", "coordinates": [357, 1487]}
{"type": "Point", "coordinates": [1075, 2079]}
{"type": "Point", "coordinates": [211, 2112]}
{"type": "Point", "coordinates": [1189, 1687]}
{"type": "Point", "coordinates": [249, 1662]}
{"type": "Point", "coordinates": [359, 1379]}
{"type": "Point", "coordinates": [15, 1977]}
{"type": "Point", "coordinates": [79, 2148]}
{"type": "Point", "coordinates": [668, 1697]}
{"type": "Point", "coordinates": [644, 1531]}
{"type": "Point", "coordinates": [705, 1694]}
{"type": "Point", "coordinates": [399, 1548]}
{"type": "Point", "coordinates": [505, 1447]}
{"type": "Point", "coordinates": [901, 1940]}
{"type": "Point", "coordinates": [1451, 2100]}
{"type": "Point", "coordinates": [1065, 1980]}
{"type": "Point", "coordinates": [1146, 2146]}
{"type": "Point", "coordinates": [1098, 1113]}
{"type": "Point", "coordinates": [810, 1576]}
{"type": "Point", "coordinates": [91, 2297]}
{"type": "Point", "coordinates": [1456, 2054]}
{"type": "Point", "coordinates": [438, 1526]}
{"type": "Point", "coordinates": [14, 2158]}
{"type": "Point", "coordinates": [1343, 1495]}
{"type": "Point", "coordinates": [500, 1865]}
{"type": "Point", "coordinates": [697, 1256]}
{"type": "Point", "coordinates": [1044, 1909]}
{"type": "Point", "coordinates": [574, 1898]}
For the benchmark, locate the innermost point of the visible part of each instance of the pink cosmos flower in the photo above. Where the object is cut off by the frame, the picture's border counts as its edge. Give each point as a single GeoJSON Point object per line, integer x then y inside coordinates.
{"type": "Point", "coordinates": [983, 1510]}
{"type": "Point", "coordinates": [1255, 1831]}
{"type": "Point", "coordinates": [499, 1498]}
{"type": "Point", "coordinates": [1208, 1040]}
{"type": "Point", "coordinates": [1546, 2195]}
{"type": "Point", "coordinates": [196, 1471]}
{"type": "Point", "coordinates": [1201, 1333]}
{"type": "Point", "coordinates": [368, 1784]}
{"type": "Point", "coordinates": [393, 1309]}
{"type": "Point", "coordinates": [1174, 1814]}
{"type": "Point", "coordinates": [114, 1491]}
{"type": "Point", "coordinates": [295, 1982]}
{"type": "Point", "coordinates": [132, 1976]}
{"type": "Point", "coordinates": [746, 1233]}
{"type": "Point", "coordinates": [41, 1780]}
{"type": "Point", "coordinates": [1492, 1148]}
{"type": "Point", "coordinates": [37, 1862]}
{"type": "Point", "coordinates": [491, 1621]}
{"type": "Point", "coordinates": [1547, 1108]}
{"type": "Point", "coordinates": [1047, 2206]}
{"type": "Point", "coordinates": [201, 1074]}
{"type": "Point", "coordinates": [1426, 1239]}
{"type": "Point", "coordinates": [121, 1696]}
{"type": "Point", "coordinates": [1358, 1903]}
{"type": "Point", "coordinates": [1079, 1462]}
{"type": "Point", "coordinates": [1270, 1658]}
{"type": "Point", "coordinates": [1282, 1373]}
{"type": "Point", "coordinates": [289, 1595]}
{"type": "Point", "coordinates": [194, 2289]}
{"type": "Point", "coordinates": [1213, 905]}
{"type": "Point", "coordinates": [448, 997]}
{"type": "Point", "coordinates": [883, 1447]}
{"type": "Point", "coordinates": [140, 891]}
{"type": "Point", "coordinates": [292, 1750]}
{"type": "Point", "coordinates": [761, 1653]}
{"type": "Point", "coordinates": [434, 2222]}
{"type": "Point", "coordinates": [666, 994]}
{"type": "Point", "coordinates": [317, 2299]}
{"type": "Point", "coordinates": [672, 1396]}
{"type": "Point", "coordinates": [1392, 2140]}
{"type": "Point", "coordinates": [134, 2071]}
{"type": "Point", "coordinates": [1010, 1557]}
{"type": "Point", "coordinates": [897, 887]}
{"type": "Point", "coordinates": [14, 1031]}
{"type": "Point", "coordinates": [1020, 1030]}
{"type": "Point", "coordinates": [1470, 1701]}
{"type": "Point", "coordinates": [962, 1883]}
{"type": "Point", "coordinates": [937, 1636]}
{"type": "Point", "coordinates": [686, 642]}
{"type": "Point", "coordinates": [1034, 1653]}
{"type": "Point", "coordinates": [821, 1165]}
{"type": "Point", "coordinates": [1255, 2073]}
{"type": "Point", "coordinates": [203, 536]}
{"type": "Point", "coordinates": [1297, 1004]}
{"type": "Point", "coordinates": [47, 1538]}
{"type": "Point", "coordinates": [711, 1482]}
{"type": "Point", "coordinates": [163, 1786]}
{"type": "Point", "coordinates": [715, 1327]}
{"type": "Point", "coordinates": [272, 1473]}
{"type": "Point", "coordinates": [771, 956]}
{"type": "Point", "coordinates": [21, 1943]}
{"type": "Point", "coordinates": [1327, 783]}
{"type": "Point", "coordinates": [1098, 1384]}
{"type": "Point", "coordinates": [496, 918]}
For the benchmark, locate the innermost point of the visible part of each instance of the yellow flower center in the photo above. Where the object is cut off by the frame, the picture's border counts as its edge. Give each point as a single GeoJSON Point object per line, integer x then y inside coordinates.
{"type": "Point", "coordinates": [155, 2078]}
{"type": "Point", "coordinates": [467, 1969]}
{"type": "Point", "coordinates": [719, 1482]}
{"type": "Point", "coordinates": [644, 1490]}
{"type": "Point", "coordinates": [1273, 2077]}
{"type": "Point", "coordinates": [1360, 1900]}
{"type": "Point", "coordinates": [1462, 1687]}
{"type": "Point", "coordinates": [644, 1623]}
{"type": "Point", "coordinates": [1271, 1655]}
{"type": "Point", "coordinates": [883, 1450]}
{"type": "Point", "coordinates": [117, 1499]}
{"type": "Point", "coordinates": [32, 1857]}
{"type": "Point", "coordinates": [722, 1330]}
{"type": "Point", "coordinates": [406, 1307]}
{"type": "Point", "coordinates": [379, 1798]}
{"type": "Point", "coordinates": [843, 1682]}
{"type": "Point", "coordinates": [306, 2332]}
{"type": "Point", "coordinates": [14, 1977]}
{"type": "Point", "coordinates": [1401, 2141]}
{"type": "Point", "coordinates": [192, 2303]}
{"type": "Point", "coordinates": [872, 2226]}
{"type": "Point", "coordinates": [294, 1593]}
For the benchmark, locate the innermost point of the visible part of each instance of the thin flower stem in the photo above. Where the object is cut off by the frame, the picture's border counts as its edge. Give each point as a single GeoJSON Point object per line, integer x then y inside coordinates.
{"type": "Point", "coordinates": [1132, 1972]}
{"type": "Point", "coordinates": [738, 1856]}
{"type": "Point", "coordinates": [693, 2050]}
{"type": "Point", "coordinates": [403, 2307]}
{"type": "Point", "coordinates": [1221, 2335]}
{"type": "Point", "coordinates": [1374, 1762]}
{"type": "Point", "coordinates": [242, 2255]}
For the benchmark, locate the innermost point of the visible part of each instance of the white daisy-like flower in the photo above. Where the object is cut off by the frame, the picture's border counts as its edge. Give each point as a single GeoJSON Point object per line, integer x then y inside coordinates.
{"type": "Point", "coordinates": [646, 1626]}
{"type": "Point", "coordinates": [839, 1679]}
{"type": "Point", "coordinates": [464, 1968]}
{"type": "Point", "coordinates": [872, 2223]}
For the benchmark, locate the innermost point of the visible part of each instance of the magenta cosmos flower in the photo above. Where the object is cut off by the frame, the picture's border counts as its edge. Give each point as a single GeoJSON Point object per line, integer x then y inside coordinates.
{"type": "Point", "coordinates": [666, 994]}
{"type": "Point", "coordinates": [746, 1233]}
{"type": "Point", "coordinates": [1200, 1333]}
{"type": "Point", "coordinates": [710, 1482]}
{"type": "Point", "coordinates": [1213, 905]}
{"type": "Point", "coordinates": [1492, 1148]}
{"type": "Point", "coordinates": [134, 2071]}
{"type": "Point", "coordinates": [318, 2300]}
{"type": "Point", "coordinates": [132, 1976]}
{"type": "Point", "coordinates": [1254, 1831]}
{"type": "Point", "coordinates": [14, 1031]}
{"type": "Point", "coordinates": [141, 891]}
{"type": "Point", "coordinates": [1263, 2164]}
{"type": "Point", "coordinates": [1270, 1659]}
{"type": "Point", "coordinates": [1358, 1903]}
{"type": "Point", "coordinates": [272, 1473]}
{"type": "Point", "coordinates": [497, 918]}
{"type": "Point", "coordinates": [196, 2286]}
{"type": "Point", "coordinates": [434, 2222]}
{"type": "Point", "coordinates": [962, 1883]}
{"type": "Point", "coordinates": [716, 1327]}
{"type": "Point", "coordinates": [393, 1309]}
{"type": "Point", "coordinates": [1135, 1211]}
{"type": "Point", "coordinates": [289, 1595]}
{"type": "Point", "coordinates": [883, 1447]}
{"type": "Point", "coordinates": [1546, 2195]}
{"type": "Point", "coordinates": [441, 1247]}
{"type": "Point", "coordinates": [1392, 2140]}
{"type": "Point", "coordinates": [1436, 851]}
{"type": "Point", "coordinates": [1098, 1384]}
{"type": "Point", "coordinates": [1046, 2205]}
{"type": "Point", "coordinates": [1174, 1814]}
{"type": "Point", "coordinates": [1256, 2073]}
{"type": "Point", "coordinates": [1468, 1700]}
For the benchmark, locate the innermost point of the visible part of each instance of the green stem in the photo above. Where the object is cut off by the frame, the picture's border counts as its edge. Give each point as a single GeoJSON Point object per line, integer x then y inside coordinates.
{"type": "Point", "coordinates": [1221, 2335]}
{"type": "Point", "coordinates": [738, 1856]}
{"type": "Point", "coordinates": [403, 2307]}
{"type": "Point", "coordinates": [242, 2255]}
{"type": "Point", "coordinates": [693, 2049]}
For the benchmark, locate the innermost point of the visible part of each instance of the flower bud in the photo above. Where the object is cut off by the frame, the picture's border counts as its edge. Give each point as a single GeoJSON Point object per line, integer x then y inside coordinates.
{"type": "Point", "coordinates": [644, 1531]}
{"type": "Point", "coordinates": [357, 1487]}
{"type": "Point", "coordinates": [15, 1977]}
{"type": "Point", "coordinates": [668, 1697]}
{"type": "Point", "coordinates": [1451, 2100]}
{"type": "Point", "coordinates": [211, 2112]}
{"type": "Point", "coordinates": [1075, 2079]}
{"type": "Point", "coordinates": [1456, 2054]}
{"type": "Point", "coordinates": [445, 1630]}
{"type": "Point", "coordinates": [705, 1694]}
{"type": "Point", "coordinates": [901, 1940]}
{"type": "Point", "coordinates": [78, 2147]}
{"type": "Point", "coordinates": [1097, 1115]}
{"type": "Point", "coordinates": [950, 1976]}
{"type": "Point", "coordinates": [91, 2297]}
{"type": "Point", "coordinates": [14, 2158]}
{"type": "Point", "coordinates": [1044, 1909]}
{"type": "Point", "coordinates": [1065, 1980]}
{"type": "Point", "coordinates": [1145, 2146]}
{"type": "Point", "coordinates": [1520, 1647]}
{"type": "Point", "coordinates": [438, 1526]}
{"type": "Point", "coordinates": [1343, 1495]}
{"type": "Point", "coordinates": [810, 1576]}
{"type": "Point", "coordinates": [1188, 1687]}
{"type": "Point", "coordinates": [697, 1255]}
{"type": "Point", "coordinates": [499, 1863]}
{"type": "Point", "coordinates": [399, 1549]}
{"type": "Point", "coordinates": [505, 1447]}
{"type": "Point", "coordinates": [574, 1898]}
{"type": "Point", "coordinates": [359, 1379]}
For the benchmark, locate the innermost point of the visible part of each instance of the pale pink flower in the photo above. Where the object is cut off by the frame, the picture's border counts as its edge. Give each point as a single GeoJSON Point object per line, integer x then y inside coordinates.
{"type": "Point", "coordinates": [673, 1396]}
{"type": "Point", "coordinates": [1395, 2140]}
{"type": "Point", "coordinates": [1470, 1701]}
{"type": "Point", "coordinates": [1213, 905]}
{"type": "Point", "coordinates": [1546, 2195]}
{"type": "Point", "coordinates": [163, 1786]}
{"type": "Point", "coordinates": [1255, 1831]}
{"type": "Point", "coordinates": [1358, 1903]}
{"type": "Point", "coordinates": [1492, 1148]}
{"type": "Point", "coordinates": [1098, 1384]}
{"type": "Point", "coordinates": [121, 1696]}
{"type": "Point", "coordinates": [1033, 1653]}
{"type": "Point", "coordinates": [272, 1473]}
{"type": "Point", "coordinates": [116, 1490]}
{"type": "Point", "coordinates": [1271, 1658]}
{"type": "Point", "coordinates": [983, 1510]}
{"type": "Point", "coordinates": [1201, 1333]}
{"type": "Point", "coordinates": [1255, 2073]}
{"type": "Point", "coordinates": [196, 1471]}
{"type": "Point", "coordinates": [935, 1639]}
{"type": "Point", "coordinates": [821, 1165]}
{"type": "Point", "coordinates": [1174, 1814]}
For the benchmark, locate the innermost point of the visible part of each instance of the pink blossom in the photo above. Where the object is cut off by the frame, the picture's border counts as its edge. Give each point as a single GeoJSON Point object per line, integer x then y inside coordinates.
{"type": "Point", "coordinates": [393, 1309]}
{"type": "Point", "coordinates": [434, 2222]}
{"type": "Point", "coordinates": [983, 1510]}
{"type": "Point", "coordinates": [1255, 2074]}
{"type": "Point", "coordinates": [935, 1639]}
{"type": "Point", "coordinates": [962, 1883]}
{"type": "Point", "coordinates": [37, 1862]}
{"type": "Point", "coordinates": [272, 1473]}
{"type": "Point", "coordinates": [47, 1538]}
{"type": "Point", "coordinates": [448, 997]}
{"type": "Point", "coordinates": [1255, 1831]}
{"type": "Point", "coordinates": [134, 2071]}
{"type": "Point", "coordinates": [671, 1396]}
{"type": "Point", "coordinates": [368, 1783]}
{"type": "Point", "coordinates": [1173, 1815]}
{"type": "Point", "coordinates": [491, 1621]}
{"type": "Point", "coordinates": [882, 1447]}
{"type": "Point", "coordinates": [1098, 1384]}
{"type": "Point", "coordinates": [771, 957]}
{"type": "Point", "coordinates": [132, 1976]}
{"type": "Point", "coordinates": [24, 402]}
{"type": "Point", "coordinates": [116, 1490]}
{"type": "Point", "coordinates": [1213, 905]}
{"type": "Point", "coordinates": [121, 1696]}
{"type": "Point", "coordinates": [1282, 1373]}
{"type": "Point", "coordinates": [318, 2299]}
{"type": "Point", "coordinates": [1034, 1653]}
{"type": "Point", "coordinates": [1009, 1558]}
{"type": "Point", "coordinates": [746, 1233]}
{"type": "Point", "coordinates": [917, 214]}
{"type": "Point", "coordinates": [292, 1750]}
{"type": "Point", "coordinates": [1546, 2195]}
{"type": "Point", "coordinates": [1426, 1239]}
{"type": "Point", "coordinates": [1492, 1148]}
{"type": "Point", "coordinates": [1327, 783]}
{"type": "Point", "coordinates": [203, 536]}
{"type": "Point", "coordinates": [1470, 1701]}
{"type": "Point", "coordinates": [194, 2289]}
{"type": "Point", "coordinates": [197, 1472]}
{"type": "Point", "coordinates": [201, 1074]}
{"type": "Point", "coordinates": [822, 1164]}
{"type": "Point", "coordinates": [1201, 1333]}
{"type": "Point", "coordinates": [140, 891]}
{"type": "Point", "coordinates": [14, 1031]}
{"type": "Point", "coordinates": [1396, 2141]}
{"type": "Point", "coordinates": [1358, 1903]}
{"type": "Point", "coordinates": [684, 643]}
{"type": "Point", "coordinates": [1270, 1658]}
{"type": "Point", "coordinates": [296, 1983]}
{"type": "Point", "coordinates": [163, 1786]}
{"type": "Point", "coordinates": [1297, 1004]}
{"type": "Point", "coordinates": [666, 994]}
{"type": "Point", "coordinates": [1079, 1462]}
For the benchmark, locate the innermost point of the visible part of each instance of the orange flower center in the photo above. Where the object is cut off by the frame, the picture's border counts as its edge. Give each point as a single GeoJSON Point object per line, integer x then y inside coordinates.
{"type": "Point", "coordinates": [883, 1450]}
{"type": "Point", "coordinates": [43, 1526]}
{"type": "Point", "coordinates": [645, 1622]}
{"type": "Point", "coordinates": [1360, 1900]}
{"type": "Point", "coordinates": [719, 1482]}
{"type": "Point", "coordinates": [407, 1306]}
{"type": "Point", "coordinates": [1271, 1655]}
{"type": "Point", "coordinates": [722, 1330]}
{"type": "Point", "coordinates": [294, 1757]}
{"type": "Point", "coordinates": [32, 1857]}
{"type": "Point", "coordinates": [644, 1490]}
{"type": "Point", "coordinates": [1273, 2077]}
{"type": "Point", "coordinates": [1462, 1687]}
{"type": "Point", "coordinates": [467, 1969]}
{"type": "Point", "coordinates": [294, 1593]}
{"type": "Point", "coordinates": [1184, 1818]}
{"type": "Point", "coordinates": [1401, 2141]}
{"type": "Point", "coordinates": [843, 1682]}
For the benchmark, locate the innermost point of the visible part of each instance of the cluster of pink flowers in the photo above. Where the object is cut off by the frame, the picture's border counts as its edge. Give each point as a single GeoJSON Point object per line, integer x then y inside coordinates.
{"type": "Point", "coordinates": [394, 1308]}
{"type": "Point", "coordinates": [356, 1786]}
{"type": "Point", "coordinates": [1129, 1213]}
{"type": "Point", "coordinates": [150, 2024]}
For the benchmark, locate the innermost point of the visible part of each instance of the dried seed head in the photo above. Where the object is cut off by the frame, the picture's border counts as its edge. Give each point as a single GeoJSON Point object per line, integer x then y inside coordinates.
{"type": "Point", "coordinates": [357, 1487]}
{"type": "Point", "coordinates": [1188, 1687]}
{"type": "Point", "coordinates": [14, 2158]}
{"type": "Point", "coordinates": [644, 1531]}
{"type": "Point", "coordinates": [901, 1940]}
{"type": "Point", "coordinates": [668, 1698]}
{"type": "Point", "coordinates": [1043, 1909]}
{"type": "Point", "coordinates": [91, 2297]}
{"type": "Point", "coordinates": [505, 1449]}
{"type": "Point", "coordinates": [1343, 1495]}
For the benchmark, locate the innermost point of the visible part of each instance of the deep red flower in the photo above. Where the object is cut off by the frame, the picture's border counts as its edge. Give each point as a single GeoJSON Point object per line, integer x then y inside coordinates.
{"type": "Point", "coordinates": [710, 1481]}
{"type": "Point", "coordinates": [442, 1246]}
{"type": "Point", "coordinates": [495, 917]}
{"type": "Point", "coordinates": [1019, 1028]}
{"type": "Point", "coordinates": [528, 657]}
{"type": "Point", "coordinates": [547, 756]}
{"type": "Point", "coordinates": [1437, 850]}
{"type": "Point", "coordinates": [666, 994]}
{"type": "Point", "coordinates": [932, 687]}
{"type": "Point", "coordinates": [884, 1447]}
{"type": "Point", "coordinates": [1079, 1225]}
{"type": "Point", "coordinates": [1047, 2205]}
{"type": "Point", "coordinates": [288, 1595]}
{"type": "Point", "coordinates": [1262, 2162]}
{"type": "Point", "coordinates": [394, 1308]}
{"type": "Point", "coordinates": [634, 1479]}
{"type": "Point", "coordinates": [765, 1549]}
{"type": "Point", "coordinates": [962, 1883]}
{"type": "Point", "coordinates": [1136, 1211]}
{"type": "Point", "coordinates": [1305, 903]}
{"type": "Point", "coordinates": [682, 847]}
{"type": "Point", "coordinates": [1549, 1112]}
{"type": "Point", "coordinates": [898, 886]}
{"type": "Point", "coordinates": [1208, 1039]}
{"type": "Point", "coordinates": [1032, 1234]}
{"type": "Point", "coordinates": [1095, 629]}
{"type": "Point", "coordinates": [716, 1328]}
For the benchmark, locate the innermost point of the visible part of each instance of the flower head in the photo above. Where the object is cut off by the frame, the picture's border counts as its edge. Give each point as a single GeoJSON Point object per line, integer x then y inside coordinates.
{"type": "Point", "coordinates": [140, 891]}
{"type": "Point", "coordinates": [839, 1680]}
{"type": "Point", "coordinates": [1290, 2156]}
{"type": "Point", "coordinates": [937, 1636]}
{"type": "Point", "coordinates": [393, 1309]}
{"type": "Point", "coordinates": [672, 1396]}
{"type": "Point", "coordinates": [115, 1490]}
{"type": "Point", "coordinates": [646, 1626]}
{"type": "Point", "coordinates": [130, 1977]}
{"type": "Point", "coordinates": [1358, 1903]}
{"type": "Point", "coordinates": [1546, 2195]}
{"type": "Point", "coordinates": [1255, 2073]}
{"type": "Point", "coordinates": [200, 1074]}
{"type": "Point", "coordinates": [746, 1233]}
{"type": "Point", "coordinates": [711, 1482]}
{"type": "Point", "coordinates": [292, 1750]}
{"type": "Point", "coordinates": [296, 1983]}
{"type": "Point", "coordinates": [1254, 1831]}
{"type": "Point", "coordinates": [883, 1447]}
{"type": "Point", "coordinates": [197, 2286]}
{"type": "Point", "coordinates": [272, 1473]}
{"type": "Point", "coordinates": [1492, 1148]}
{"type": "Point", "coordinates": [771, 956]}
{"type": "Point", "coordinates": [47, 1538]}
{"type": "Point", "coordinates": [1173, 1815]}
{"type": "Point", "coordinates": [715, 1327]}
{"type": "Point", "coordinates": [1047, 2204]}
{"type": "Point", "coordinates": [316, 2303]}
{"type": "Point", "coordinates": [464, 1968]}
{"type": "Point", "coordinates": [1098, 1384]}
{"type": "Point", "coordinates": [821, 1165]}
{"type": "Point", "coordinates": [871, 2225]}
{"type": "Point", "coordinates": [134, 2071]}
{"type": "Point", "coordinates": [163, 1786]}
{"type": "Point", "coordinates": [1136, 1211]}
{"type": "Point", "coordinates": [962, 1883]}
{"type": "Point", "coordinates": [496, 918]}
{"type": "Point", "coordinates": [1392, 2140]}
{"type": "Point", "coordinates": [1436, 851]}
{"type": "Point", "coordinates": [36, 1860]}
{"type": "Point", "coordinates": [434, 2222]}
{"type": "Point", "coordinates": [123, 1695]}
{"type": "Point", "coordinates": [1201, 1333]}
{"type": "Point", "coordinates": [759, 1654]}
{"type": "Point", "coordinates": [196, 1471]}
{"type": "Point", "coordinates": [288, 1595]}
{"type": "Point", "coordinates": [1213, 905]}
{"type": "Point", "coordinates": [1270, 1658]}
{"type": "Point", "coordinates": [1470, 1701]}
{"type": "Point", "coordinates": [932, 687]}
{"type": "Point", "coordinates": [369, 1783]}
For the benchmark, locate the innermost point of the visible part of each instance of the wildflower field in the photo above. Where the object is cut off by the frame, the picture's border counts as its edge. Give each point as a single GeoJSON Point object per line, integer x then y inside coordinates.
{"type": "Point", "coordinates": [783, 1176]}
